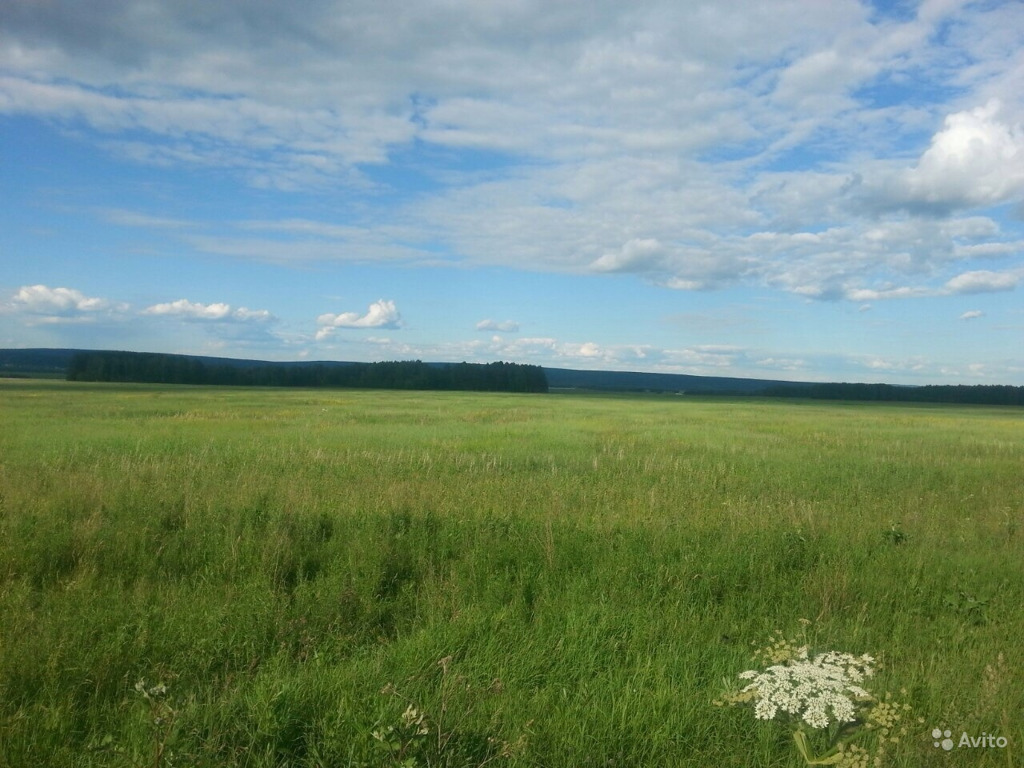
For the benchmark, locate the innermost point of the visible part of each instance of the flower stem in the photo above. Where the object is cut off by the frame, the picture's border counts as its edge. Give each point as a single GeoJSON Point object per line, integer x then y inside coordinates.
{"type": "Point", "coordinates": [803, 746]}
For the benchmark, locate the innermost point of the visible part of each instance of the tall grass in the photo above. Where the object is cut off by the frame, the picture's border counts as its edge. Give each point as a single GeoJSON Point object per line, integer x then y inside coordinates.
{"type": "Point", "coordinates": [588, 570]}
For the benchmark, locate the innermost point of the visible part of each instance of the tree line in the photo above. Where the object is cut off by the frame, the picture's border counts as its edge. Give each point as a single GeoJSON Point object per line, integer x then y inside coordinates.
{"type": "Point", "coordinates": [156, 368]}
{"type": "Point", "coordinates": [977, 394]}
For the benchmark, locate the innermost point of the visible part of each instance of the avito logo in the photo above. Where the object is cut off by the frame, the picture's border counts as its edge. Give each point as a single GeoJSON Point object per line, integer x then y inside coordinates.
{"type": "Point", "coordinates": [946, 743]}
{"type": "Point", "coordinates": [942, 739]}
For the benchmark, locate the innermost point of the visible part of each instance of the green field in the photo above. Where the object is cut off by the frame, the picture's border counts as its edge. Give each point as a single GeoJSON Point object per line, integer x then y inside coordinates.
{"type": "Point", "coordinates": [548, 580]}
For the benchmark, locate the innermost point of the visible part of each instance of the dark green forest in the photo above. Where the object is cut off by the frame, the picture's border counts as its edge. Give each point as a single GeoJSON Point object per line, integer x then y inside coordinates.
{"type": "Point", "coordinates": [96, 365]}
{"type": "Point", "coordinates": [147, 367]}
{"type": "Point", "coordinates": [977, 394]}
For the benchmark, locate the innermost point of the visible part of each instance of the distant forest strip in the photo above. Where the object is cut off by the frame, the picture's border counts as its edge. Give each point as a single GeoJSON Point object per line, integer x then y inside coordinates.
{"type": "Point", "coordinates": [979, 394]}
{"type": "Point", "coordinates": [154, 368]}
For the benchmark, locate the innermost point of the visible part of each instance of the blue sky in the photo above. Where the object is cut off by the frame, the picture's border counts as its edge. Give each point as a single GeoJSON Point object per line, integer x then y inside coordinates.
{"type": "Point", "coordinates": [789, 189]}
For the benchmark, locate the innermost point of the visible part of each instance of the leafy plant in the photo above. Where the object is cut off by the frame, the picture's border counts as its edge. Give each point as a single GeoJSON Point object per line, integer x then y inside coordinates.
{"type": "Point", "coordinates": [895, 535]}
{"type": "Point", "coordinates": [441, 739]}
{"type": "Point", "coordinates": [973, 609]}
{"type": "Point", "coordinates": [403, 741]}
{"type": "Point", "coordinates": [161, 717]}
{"type": "Point", "coordinates": [821, 696]}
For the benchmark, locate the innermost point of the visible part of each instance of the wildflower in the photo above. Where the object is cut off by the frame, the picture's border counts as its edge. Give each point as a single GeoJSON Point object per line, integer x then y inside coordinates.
{"type": "Point", "coordinates": [415, 721]}
{"type": "Point", "coordinates": [779, 651]}
{"type": "Point", "coordinates": [853, 757]}
{"type": "Point", "coordinates": [811, 687]}
{"type": "Point", "coordinates": [826, 692]}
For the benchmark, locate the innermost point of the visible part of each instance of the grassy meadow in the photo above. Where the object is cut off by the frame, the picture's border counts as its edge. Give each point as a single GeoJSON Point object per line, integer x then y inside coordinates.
{"type": "Point", "coordinates": [256, 577]}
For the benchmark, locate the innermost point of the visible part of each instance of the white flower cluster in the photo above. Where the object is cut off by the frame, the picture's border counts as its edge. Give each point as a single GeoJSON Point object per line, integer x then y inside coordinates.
{"type": "Point", "coordinates": [808, 688]}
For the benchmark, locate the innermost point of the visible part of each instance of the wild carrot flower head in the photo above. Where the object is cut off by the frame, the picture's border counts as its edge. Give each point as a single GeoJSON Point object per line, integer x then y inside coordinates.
{"type": "Point", "coordinates": [819, 690]}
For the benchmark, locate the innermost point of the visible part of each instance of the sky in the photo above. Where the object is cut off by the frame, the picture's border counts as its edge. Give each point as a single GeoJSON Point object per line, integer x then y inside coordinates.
{"type": "Point", "coordinates": [807, 190]}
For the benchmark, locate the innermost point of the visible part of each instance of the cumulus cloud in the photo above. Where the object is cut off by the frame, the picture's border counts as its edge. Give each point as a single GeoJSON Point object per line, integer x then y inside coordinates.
{"type": "Point", "coordinates": [982, 281]}
{"type": "Point", "coordinates": [637, 254]}
{"type": "Point", "coordinates": [41, 299]}
{"type": "Point", "coordinates": [972, 314]}
{"type": "Point", "coordinates": [189, 310]}
{"type": "Point", "coordinates": [508, 326]}
{"type": "Point", "coordinates": [977, 159]}
{"type": "Point", "coordinates": [380, 314]}
{"type": "Point", "coordinates": [42, 304]}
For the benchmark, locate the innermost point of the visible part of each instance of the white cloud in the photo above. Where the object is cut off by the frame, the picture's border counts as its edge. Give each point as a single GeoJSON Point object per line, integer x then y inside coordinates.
{"type": "Point", "coordinates": [209, 128]}
{"type": "Point", "coordinates": [42, 304]}
{"type": "Point", "coordinates": [380, 314]}
{"type": "Point", "coordinates": [44, 300]}
{"type": "Point", "coordinates": [679, 284]}
{"type": "Point", "coordinates": [188, 310]}
{"type": "Point", "coordinates": [990, 250]}
{"type": "Point", "coordinates": [770, 143]}
{"type": "Point", "coordinates": [972, 314]}
{"type": "Point", "coordinates": [637, 254]}
{"type": "Point", "coordinates": [252, 315]}
{"type": "Point", "coordinates": [535, 343]}
{"type": "Point", "coordinates": [982, 281]}
{"type": "Point", "coordinates": [977, 159]}
{"type": "Point", "coordinates": [508, 326]}
{"type": "Point", "coordinates": [870, 294]}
